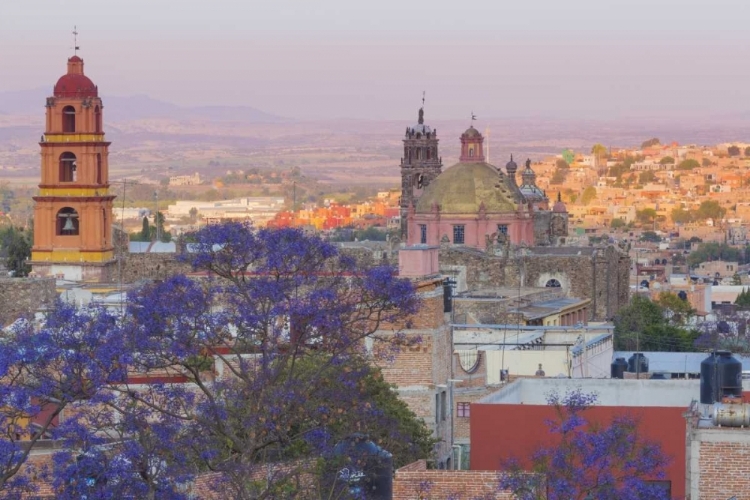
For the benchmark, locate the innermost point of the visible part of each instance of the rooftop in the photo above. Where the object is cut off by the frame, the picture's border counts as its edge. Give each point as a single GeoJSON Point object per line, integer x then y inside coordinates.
{"type": "Point", "coordinates": [610, 392]}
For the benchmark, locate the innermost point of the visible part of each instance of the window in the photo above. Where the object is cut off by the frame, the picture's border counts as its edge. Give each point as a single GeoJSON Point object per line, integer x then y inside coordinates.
{"type": "Point", "coordinates": [67, 222]}
{"type": "Point", "coordinates": [463, 410]}
{"type": "Point", "coordinates": [98, 168]}
{"type": "Point", "coordinates": [68, 167]}
{"type": "Point", "coordinates": [69, 119]}
{"type": "Point", "coordinates": [458, 235]}
{"type": "Point", "coordinates": [471, 152]}
{"type": "Point", "coordinates": [502, 229]}
{"type": "Point", "coordinates": [423, 233]}
{"type": "Point", "coordinates": [553, 283]}
{"type": "Point", "coordinates": [98, 119]}
{"type": "Point", "coordinates": [443, 406]}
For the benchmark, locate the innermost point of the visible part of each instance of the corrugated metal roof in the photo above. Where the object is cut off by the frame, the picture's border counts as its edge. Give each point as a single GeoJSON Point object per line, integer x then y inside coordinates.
{"type": "Point", "coordinates": [677, 362]}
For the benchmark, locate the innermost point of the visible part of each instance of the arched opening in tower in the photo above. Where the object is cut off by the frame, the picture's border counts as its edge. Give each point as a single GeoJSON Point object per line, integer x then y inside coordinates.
{"type": "Point", "coordinates": [68, 167]}
{"type": "Point", "coordinates": [98, 168]}
{"type": "Point", "coordinates": [69, 119]}
{"type": "Point", "coordinates": [67, 222]}
{"type": "Point", "coordinates": [98, 119]}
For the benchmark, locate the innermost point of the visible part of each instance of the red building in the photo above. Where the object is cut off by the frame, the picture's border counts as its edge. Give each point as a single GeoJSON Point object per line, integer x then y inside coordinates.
{"type": "Point", "coordinates": [510, 423]}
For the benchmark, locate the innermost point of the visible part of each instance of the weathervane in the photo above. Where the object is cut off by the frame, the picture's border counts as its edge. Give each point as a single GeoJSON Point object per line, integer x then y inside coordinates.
{"type": "Point", "coordinates": [473, 117]}
{"type": "Point", "coordinates": [423, 93]}
{"type": "Point", "coordinates": [76, 48]}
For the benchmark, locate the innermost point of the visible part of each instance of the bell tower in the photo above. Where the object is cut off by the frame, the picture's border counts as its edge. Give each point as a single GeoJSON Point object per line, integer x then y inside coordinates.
{"type": "Point", "coordinates": [420, 165]}
{"type": "Point", "coordinates": [73, 211]}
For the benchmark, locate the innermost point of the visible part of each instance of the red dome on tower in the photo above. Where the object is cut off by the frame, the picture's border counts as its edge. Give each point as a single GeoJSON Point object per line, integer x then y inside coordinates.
{"type": "Point", "coordinates": [75, 83]}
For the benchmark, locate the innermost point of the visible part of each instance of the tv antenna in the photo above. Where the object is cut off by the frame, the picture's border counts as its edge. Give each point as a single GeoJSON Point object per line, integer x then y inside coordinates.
{"type": "Point", "coordinates": [76, 48]}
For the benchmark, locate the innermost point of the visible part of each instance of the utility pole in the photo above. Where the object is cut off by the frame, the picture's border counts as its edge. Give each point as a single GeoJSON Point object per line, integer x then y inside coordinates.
{"type": "Point", "coordinates": [156, 216]}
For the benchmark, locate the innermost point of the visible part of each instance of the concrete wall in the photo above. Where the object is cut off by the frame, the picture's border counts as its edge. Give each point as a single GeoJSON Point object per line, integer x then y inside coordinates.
{"type": "Point", "coordinates": [611, 392]}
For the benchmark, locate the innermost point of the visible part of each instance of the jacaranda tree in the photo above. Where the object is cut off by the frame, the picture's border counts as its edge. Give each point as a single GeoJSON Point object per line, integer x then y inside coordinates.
{"type": "Point", "coordinates": [249, 372]}
{"type": "Point", "coordinates": [589, 460]}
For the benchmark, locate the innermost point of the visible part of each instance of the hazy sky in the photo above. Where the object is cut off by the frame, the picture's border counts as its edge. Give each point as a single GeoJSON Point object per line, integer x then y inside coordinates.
{"type": "Point", "coordinates": [355, 58]}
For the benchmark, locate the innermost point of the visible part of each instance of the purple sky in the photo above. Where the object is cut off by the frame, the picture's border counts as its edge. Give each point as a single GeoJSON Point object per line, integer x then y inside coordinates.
{"type": "Point", "coordinates": [350, 58]}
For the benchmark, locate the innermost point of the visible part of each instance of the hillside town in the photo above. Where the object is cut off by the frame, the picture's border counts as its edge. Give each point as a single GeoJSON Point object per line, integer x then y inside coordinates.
{"type": "Point", "coordinates": [567, 327]}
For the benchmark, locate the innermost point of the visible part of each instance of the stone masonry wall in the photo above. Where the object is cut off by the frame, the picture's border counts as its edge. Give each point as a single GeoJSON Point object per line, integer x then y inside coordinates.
{"type": "Point", "coordinates": [598, 274]}
{"type": "Point", "coordinates": [416, 482]}
{"type": "Point", "coordinates": [150, 266]}
{"type": "Point", "coordinates": [24, 296]}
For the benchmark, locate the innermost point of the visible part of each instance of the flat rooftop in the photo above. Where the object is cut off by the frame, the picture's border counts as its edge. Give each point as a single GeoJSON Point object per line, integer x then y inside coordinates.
{"type": "Point", "coordinates": [610, 392]}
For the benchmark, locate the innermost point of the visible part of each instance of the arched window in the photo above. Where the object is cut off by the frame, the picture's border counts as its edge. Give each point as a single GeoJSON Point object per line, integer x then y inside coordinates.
{"type": "Point", "coordinates": [553, 283]}
{"type": "Point", "coordinates": [68, 167]}
{"type": "Point", "coordinates": [429, 155]}
{"type": "Point", "coordinates": [471, 152]}
{"type": "Point", "coordinates": [98, 119]}
{"type": "Point", "coordinates": [98, 168]}
{"type": "Point", "coordinates": [419, 153]}
{"type": "Point", "coordinates": [67, 222]}
{"type": "Point", "coordinates": [69, 119]}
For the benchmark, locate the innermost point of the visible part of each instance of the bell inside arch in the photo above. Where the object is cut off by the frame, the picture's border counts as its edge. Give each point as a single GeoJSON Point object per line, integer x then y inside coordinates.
{"type": "Point", "coordinates": [69, 226]}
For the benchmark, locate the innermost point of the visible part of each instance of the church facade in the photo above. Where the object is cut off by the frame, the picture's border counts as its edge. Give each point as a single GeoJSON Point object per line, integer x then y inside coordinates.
{"type": "Point", "coordinates": [476, 204]}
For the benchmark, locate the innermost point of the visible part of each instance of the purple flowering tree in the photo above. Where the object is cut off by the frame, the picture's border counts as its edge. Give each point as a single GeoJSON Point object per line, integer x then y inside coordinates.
{"type": "Point", "coordinates": [589, 461]}
{"type": "Point", "coordinates": [251, 370]}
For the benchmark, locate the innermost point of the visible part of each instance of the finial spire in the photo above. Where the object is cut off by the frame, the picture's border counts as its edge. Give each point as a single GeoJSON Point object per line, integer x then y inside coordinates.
{"type": "Point", "coordinates": [559, 196]}
{"type": "Point", "coordinates": [423, 94]}
{"type": "Point", "coordinates": [473, 117]}
{"type": "Point", "coordinates": [76, 48]}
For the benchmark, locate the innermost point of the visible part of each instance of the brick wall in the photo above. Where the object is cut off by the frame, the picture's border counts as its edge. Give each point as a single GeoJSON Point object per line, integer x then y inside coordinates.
{"type": "Point", "coordinates": [415, 482]}
{"type": "Point", "coordinates": [718, 465]}
{"type": "Point", "coordinates": [24, 296]}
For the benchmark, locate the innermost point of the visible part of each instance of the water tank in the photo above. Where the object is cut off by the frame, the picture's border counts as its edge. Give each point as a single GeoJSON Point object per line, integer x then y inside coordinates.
{"type": "Point", "coordinates": [361, 469]}
{"type": "Point", "coordinates": [618, 368]}
{"type": "Point", "coordinates": [638, 363]}
{"type": "Point", "coordinates": [731, 415]}
{"type": "Point", "coordinates": [721, 376]}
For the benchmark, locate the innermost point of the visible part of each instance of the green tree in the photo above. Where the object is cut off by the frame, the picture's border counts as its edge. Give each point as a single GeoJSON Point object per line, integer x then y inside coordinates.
{"type": "Point", "coordinates": [617, 223]}
{"type": "Point", "coordinates": [15, 249]}
{"type": "Point", "coordinates": [651, 237]}
{"type": "Point", "coordinates": [647, 176]}
{"type": "Point", "coordinates": [736, 280]}
{"type": "Point", "coordinates": [646, 326]}
{"type": "Point", "coordinates": [667, 160]}
{"type": "Point", "coordinates": [733, 150]}
{"type": "Point", "coordinates": [193, 215]}
{"type": "Point", "coordinates": [712, 250]}
{"type": "Point", "coordinates": [617, 170]}
{"type": "Point", "coordinates": [688, 164]}
{"type": "Point", "coordinates": [651, 142]}
{"type": "Point", "coordinates": [706, 162]}
{"type": "Point", "coordinates": [677, 311]}
{"type": "Point", "coordinates": [646, 216]}
{"type": "Point", "coordinates": [747, 151]}
{"type": "Point", "coordinates": [559, 176]}
{"type": "Point", "coordinates": [599, 151]}
{"type": "Point", "coordinates": [681, 216]}
{"type": "Point", "coordinates": [568, 156]}
{"type": "Point", "coordinates": [710, 209]}
{"type": "Point", "coordinates": [145, 230]}
{"type": "Point", "coordinates": [743, 299]}
{"type": "Point", "coordinates": [588, 195]}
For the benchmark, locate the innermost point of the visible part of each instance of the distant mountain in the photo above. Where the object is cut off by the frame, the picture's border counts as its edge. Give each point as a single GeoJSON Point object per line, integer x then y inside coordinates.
{"type": "Point", "coordinates": [138, 107]}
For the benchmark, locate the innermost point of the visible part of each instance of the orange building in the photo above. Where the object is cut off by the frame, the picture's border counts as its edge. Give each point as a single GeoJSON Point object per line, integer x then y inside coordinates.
{"type": "Point", "coordinates": [73, 212]}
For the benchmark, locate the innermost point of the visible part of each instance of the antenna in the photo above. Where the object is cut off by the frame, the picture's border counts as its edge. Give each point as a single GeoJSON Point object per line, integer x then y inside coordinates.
{"type": "Point", "coordinates": [76, 48]}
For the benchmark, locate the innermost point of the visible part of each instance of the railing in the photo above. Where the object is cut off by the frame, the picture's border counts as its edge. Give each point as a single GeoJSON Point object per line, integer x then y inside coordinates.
{"type": "Point", "coordinates": [73, 138]}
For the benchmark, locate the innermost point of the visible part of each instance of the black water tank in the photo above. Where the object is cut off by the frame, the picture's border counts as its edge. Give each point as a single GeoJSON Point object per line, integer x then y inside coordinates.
{"type": "Point", "coordinates": [362, 470]}
{"type": "Point", "coordinates": [721, 376]}
{"type": "Point", "coordinates": [618, 368]}
{"type": "Point", "coordinates": [638, 363]}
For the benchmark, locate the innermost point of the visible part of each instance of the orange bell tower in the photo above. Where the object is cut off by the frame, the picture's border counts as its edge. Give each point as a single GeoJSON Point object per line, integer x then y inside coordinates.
{"type": "Point", "coordinates": [73, 212]}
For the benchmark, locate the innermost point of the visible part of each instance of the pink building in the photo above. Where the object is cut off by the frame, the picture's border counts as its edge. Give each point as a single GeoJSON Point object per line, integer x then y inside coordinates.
{"type": "Point", "coordinates": [476, 204]}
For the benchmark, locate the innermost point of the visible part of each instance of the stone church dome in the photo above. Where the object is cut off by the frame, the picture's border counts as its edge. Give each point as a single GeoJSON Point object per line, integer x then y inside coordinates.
{"type": "Point", "coordinates": [464, 187]}
{"type": "Point", "coordinates": [74, 83]}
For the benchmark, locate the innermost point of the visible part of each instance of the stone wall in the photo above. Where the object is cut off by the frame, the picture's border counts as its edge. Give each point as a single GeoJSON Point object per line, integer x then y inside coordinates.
{"type": "Point", "coordinates": [24, 296]}
{"type": "Point", "coordinates": [599, 274]}
{"type": "Point", "coordinates": [415, 481]}
{"type": "Point", "coordinates": [149, 266]}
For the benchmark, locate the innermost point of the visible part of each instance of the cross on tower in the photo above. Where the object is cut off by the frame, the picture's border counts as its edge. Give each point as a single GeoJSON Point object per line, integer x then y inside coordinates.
{"type": "Point", "coordinates": [76, 48]}
{"type": "Point", "coordinates": [423, 93]}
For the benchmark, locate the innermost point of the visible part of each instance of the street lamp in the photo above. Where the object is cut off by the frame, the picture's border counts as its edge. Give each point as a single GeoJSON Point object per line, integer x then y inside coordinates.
{"type": "Point", "coordinates": [156, 216]}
